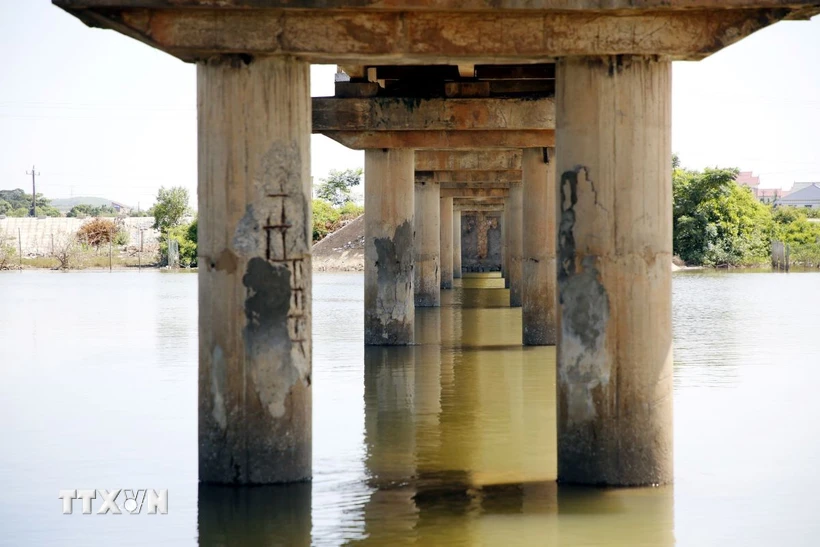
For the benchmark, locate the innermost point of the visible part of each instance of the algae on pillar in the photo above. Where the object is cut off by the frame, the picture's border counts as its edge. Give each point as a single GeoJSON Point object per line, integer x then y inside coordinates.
{"type": "Point", "coordinates": [457, 244]}
{"type": "Point", "coordinates": [446, 230]}
{"type": "Point", "coordinates": [540, 222]}
{"type": "Point", "coordinates": [389, 313]}
{"type": "Point", "coordinates": [254, 271]}
{"type": "Point", "coordinates": [428, 245]}
{"type": "Point", "coordinates": [515, 229]}
{"type": "Point", "coordinates": [614, 381]}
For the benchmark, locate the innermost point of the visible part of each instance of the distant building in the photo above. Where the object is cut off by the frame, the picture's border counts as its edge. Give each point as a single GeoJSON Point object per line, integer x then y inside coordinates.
{"type": "Point", "coordinates": [801, 185]}
{"type": "Point", "coordinates": [747, 179]}
{"type": "Point", "coordinates": [120, 208]}
{"type": "Point", "coordinates": [763, 195]}
{"type": "Point", "coordinates": [770, 195]}
{"type": "Point", "coordinates": [807, 196]}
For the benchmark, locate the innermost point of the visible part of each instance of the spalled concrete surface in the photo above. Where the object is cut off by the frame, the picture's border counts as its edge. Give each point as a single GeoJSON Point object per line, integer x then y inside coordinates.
{"type": "Point", "coordinates": [614, 354]}
{"type": "Point", "coordinates": [254, 274]}
{"type": "Point", "coordinates": [389, 248]}
{"type": "Point", "coordinates": [481, 242]}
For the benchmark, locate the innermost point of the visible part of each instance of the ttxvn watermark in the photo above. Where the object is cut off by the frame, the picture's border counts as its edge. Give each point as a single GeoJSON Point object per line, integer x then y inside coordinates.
{"type": "Point", "coordinates": [132, 501]}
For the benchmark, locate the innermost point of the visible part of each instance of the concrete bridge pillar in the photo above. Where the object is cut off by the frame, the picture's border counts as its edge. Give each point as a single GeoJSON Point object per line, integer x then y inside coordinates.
{"type": "Point", "coordinates": [505, 244]}
{"type": "Point", "coordinates": [540, 210]}
{"type": "Point", "coordinates": [516, 243]}
{"type": "Point", "coordinates": [457, 244]}
{"type": "Point", "coordinates": [446, 230]}
{"type": "Point", "coordinates": [389, 313]}
{"type": "Point", "coordinates": [255, 273]}
{"type": "Point", "coordinates": [428, 245]}
{"type": "Point", "coordinates": [614, 381]}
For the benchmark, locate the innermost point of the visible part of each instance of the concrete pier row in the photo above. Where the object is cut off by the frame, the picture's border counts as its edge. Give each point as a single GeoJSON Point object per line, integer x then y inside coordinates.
{"type": "Point", "coordinates": [424, 88]}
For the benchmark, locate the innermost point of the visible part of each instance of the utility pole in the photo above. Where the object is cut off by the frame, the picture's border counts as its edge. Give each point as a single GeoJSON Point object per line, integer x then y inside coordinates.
{"type": "Point", "coordinates": [33, 174]}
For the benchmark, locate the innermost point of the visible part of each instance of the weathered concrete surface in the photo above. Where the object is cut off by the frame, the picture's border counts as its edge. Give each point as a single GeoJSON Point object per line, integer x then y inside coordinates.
{"type": "Point", "coordinates": [446, 231]}
{"type": "Point", "coordinates": [382, 114]}
{"type": "Point", "coordinates": [515, 239]}
{"type": "Point", "coordinates": [428, 246]}
{"type": "Point", "coordinates": [254, 272]}
{"type": "Point", "coordinates": [614, 381]}
{"type": "Point", "coordinates": [438, 139]}
{"type": "Point", "coordinates": [475, 193]}
{"type": "Point", "coordinates": [481, 242]}
{"type": "Point", "coordinates": [434, 33]}
{"type": "Point", "coordinates": [468, 160]}
{"type": "Point", "coordinates": [456, 244]}
{"type": "Point", "coordinates": [470, 177]}
{"type": "Point", "coordinates": [389, 251]}
{"type": "Point", "coordinates": [538, 314]}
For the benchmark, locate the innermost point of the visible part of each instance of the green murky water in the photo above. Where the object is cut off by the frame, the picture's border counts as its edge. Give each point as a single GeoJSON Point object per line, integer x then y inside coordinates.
{"type": "Point", "coordinates": [450, 442]}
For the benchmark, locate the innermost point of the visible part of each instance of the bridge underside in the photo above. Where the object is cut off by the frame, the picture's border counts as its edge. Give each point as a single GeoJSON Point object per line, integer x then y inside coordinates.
{"type": "Point", "coordinates": [551, 116]}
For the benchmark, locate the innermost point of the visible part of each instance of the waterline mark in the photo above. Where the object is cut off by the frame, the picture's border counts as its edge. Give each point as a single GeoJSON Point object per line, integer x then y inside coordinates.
{"type": "Point", "coordinates": [132, 501]}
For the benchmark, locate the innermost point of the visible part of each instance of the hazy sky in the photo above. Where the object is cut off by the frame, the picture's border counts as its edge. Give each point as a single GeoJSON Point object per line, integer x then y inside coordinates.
{"type": "Point", "coordinates": [103, 115]}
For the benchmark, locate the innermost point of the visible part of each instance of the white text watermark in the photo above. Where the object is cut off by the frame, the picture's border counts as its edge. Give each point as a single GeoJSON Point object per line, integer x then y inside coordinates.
{"type": "Point", "coordinates": [131, 501]}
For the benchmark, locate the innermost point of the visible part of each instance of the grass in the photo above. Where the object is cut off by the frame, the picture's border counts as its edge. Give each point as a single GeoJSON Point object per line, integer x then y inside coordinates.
{"type": "Point", "coordinates": [88, 260]}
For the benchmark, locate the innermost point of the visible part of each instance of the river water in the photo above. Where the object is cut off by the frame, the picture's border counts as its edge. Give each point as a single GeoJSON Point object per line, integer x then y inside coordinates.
{"type": "Point", "coordinates": [450, 442]}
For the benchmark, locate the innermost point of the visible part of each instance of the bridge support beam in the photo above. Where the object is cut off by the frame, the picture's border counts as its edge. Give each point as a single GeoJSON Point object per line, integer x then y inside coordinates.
{"type": "Point", "coordinates": [614, 354]}
{"type": "Point", "coordinates": [254, 273]}
{"type": "Point", "coordinates": [515, 238]}
{"type": "Point", "coordinates": [428, 245]}
{"type": "Point", "coordinates": [389, 313]}
{"type": "Point", "coordinates": [457, 244]}
{"type": "Point", "coordinates": [446, 230]}
{"type": "Point", "coordinates": [540, 210]}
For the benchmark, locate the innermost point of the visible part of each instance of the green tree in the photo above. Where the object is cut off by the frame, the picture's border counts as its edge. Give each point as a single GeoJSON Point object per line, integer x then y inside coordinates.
{"type": "Point", "coordinates": [717, 222]}
{"type": "Point", "coordinates": [170, 208]}
{"type": "Point", "coordinates": [336, 187]}
{"type": "Point", "coordinates": [186, 236]}
{"type": "Point", "coordinates": [84, 209]}
{"type": "Point", "coordinates": [17, 199]}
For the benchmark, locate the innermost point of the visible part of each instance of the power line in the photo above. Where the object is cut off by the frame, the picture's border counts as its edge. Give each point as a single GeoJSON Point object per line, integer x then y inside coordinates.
{"type": "Point", "coordinates": [33, 174]}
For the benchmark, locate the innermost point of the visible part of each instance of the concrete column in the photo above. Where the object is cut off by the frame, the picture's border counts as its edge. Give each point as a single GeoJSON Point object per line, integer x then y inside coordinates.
{"type": "Point", "coordinates": [446, 229]}
{"type": "Point", "coordinates": [457, 244]}
{"type": "Point", "coordinates": [428, 244]}
{"type": "Point", "coordinates": [540, 223]}
{"type": "Point", "coordinates": [516, 243]}
{"type": "Point", "coordinates": [389, 251]}
{"type": "Point", "coordinates": [614, 381]}
{"type": "Point", "coordinates": [505, 245]}
{"type": "Point", "coordinates": [254, 271]}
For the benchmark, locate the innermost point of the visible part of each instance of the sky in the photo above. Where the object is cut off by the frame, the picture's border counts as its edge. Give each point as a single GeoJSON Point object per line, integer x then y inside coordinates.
{"type": "Point", "coordinates": [100, 114]}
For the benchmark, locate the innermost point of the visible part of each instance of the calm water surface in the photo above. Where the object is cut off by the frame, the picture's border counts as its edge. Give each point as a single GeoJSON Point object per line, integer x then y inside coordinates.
{"type": "Point", "coordinates": [451, 442]}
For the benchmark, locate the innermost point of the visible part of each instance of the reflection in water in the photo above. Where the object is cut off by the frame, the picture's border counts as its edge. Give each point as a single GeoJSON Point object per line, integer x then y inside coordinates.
{"type": "Point", "coordinates": [459, 449]}
{"type": "Point", "coordinates": [254, 515]}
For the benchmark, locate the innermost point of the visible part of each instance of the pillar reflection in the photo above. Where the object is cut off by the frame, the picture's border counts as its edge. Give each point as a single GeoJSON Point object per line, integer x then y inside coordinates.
{"type": "Point", "coordinates": [254, 515]}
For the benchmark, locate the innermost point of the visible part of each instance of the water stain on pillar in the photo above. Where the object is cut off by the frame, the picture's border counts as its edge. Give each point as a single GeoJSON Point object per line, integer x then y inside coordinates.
{"type": "Point", "coordinates": [583, 365]}
{"type": "Point", "coordinates": [389, 324]}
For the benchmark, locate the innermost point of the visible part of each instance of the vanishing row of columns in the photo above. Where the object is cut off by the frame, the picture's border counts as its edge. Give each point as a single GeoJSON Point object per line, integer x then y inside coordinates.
{"type": "Point", "coordinates": [613, 234]}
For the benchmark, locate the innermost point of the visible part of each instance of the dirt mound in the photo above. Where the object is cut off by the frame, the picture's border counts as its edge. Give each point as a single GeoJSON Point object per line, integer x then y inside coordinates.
{"type": "Point", "coordinates": [343, 250]}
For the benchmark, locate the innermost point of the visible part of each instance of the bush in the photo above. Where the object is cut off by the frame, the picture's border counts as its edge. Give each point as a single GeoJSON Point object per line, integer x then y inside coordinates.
{"type": "Point", "coordinates": [122, 237]}
{"type": "Point", "coordinates": [67, 252]}
{"type": "Point", "coordinates": [186, 236]}
{"type": "Point", "coordinates": [325, 218]}
{"type": "Point", "coordinates": [8, 254]}
{"type": "Point", "coordinates": [98, 231]}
